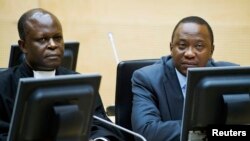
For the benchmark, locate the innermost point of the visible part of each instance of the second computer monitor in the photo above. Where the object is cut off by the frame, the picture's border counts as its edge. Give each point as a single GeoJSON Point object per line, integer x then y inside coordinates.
{"type": "Point", "coordinates": [217, 96]}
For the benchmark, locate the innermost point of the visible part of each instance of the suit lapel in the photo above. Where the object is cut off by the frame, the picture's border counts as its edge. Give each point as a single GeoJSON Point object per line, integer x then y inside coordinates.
{"type": "Point", "coordinates": [172, 88]}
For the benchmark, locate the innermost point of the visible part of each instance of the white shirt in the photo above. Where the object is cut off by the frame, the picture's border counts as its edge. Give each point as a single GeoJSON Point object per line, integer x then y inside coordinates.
{"type": "Point", "coordinates": [183, 82]}
{"type": "Point", "coordinates": [44, 74]}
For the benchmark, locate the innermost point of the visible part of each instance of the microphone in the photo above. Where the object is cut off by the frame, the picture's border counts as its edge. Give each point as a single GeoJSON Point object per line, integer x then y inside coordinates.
{"type": "Point", "coordinates": [108, 122]}
{"type": "Point", "coordinates": [119, 127]}
{"type": "Point", "coordinates": [113, 47]}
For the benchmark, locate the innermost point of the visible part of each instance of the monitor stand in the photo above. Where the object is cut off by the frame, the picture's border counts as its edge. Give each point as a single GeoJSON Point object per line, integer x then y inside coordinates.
{"type": "Point", "coordinates": [69, 122]}
{"type": "Point", "coordinates": [197, 136]}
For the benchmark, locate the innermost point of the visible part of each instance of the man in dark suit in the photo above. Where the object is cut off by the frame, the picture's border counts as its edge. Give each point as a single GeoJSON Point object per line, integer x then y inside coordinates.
{"type": "Point", "coordinates": [159, 89]}
{"type": "Point", "coordinates": [41, 40]}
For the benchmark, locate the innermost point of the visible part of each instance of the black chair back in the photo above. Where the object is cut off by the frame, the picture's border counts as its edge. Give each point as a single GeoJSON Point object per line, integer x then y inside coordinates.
{"type": "Point", "coordinates": [69, 60]}
{"type": "Point", "coordinates": [123, 95]}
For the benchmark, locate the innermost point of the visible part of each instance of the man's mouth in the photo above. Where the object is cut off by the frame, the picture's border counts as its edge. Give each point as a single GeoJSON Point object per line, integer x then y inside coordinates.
{"type": "Point", "coordinates": [189, 65]}
{"type": "Point", "coordinates": [53, 56]}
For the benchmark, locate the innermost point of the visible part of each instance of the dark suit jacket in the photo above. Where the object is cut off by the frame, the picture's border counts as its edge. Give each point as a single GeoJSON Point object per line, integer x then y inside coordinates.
{"type": "Point", "coordinates": [158, 100]}
{"type": "Point", "coordinates": [8, 86]}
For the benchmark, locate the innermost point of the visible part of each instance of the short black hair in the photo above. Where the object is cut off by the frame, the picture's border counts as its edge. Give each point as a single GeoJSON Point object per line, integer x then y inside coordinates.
{"type": "Point", "coordinates": [198, 20]}
{"type": "Point", "coordinates": [21, 25]}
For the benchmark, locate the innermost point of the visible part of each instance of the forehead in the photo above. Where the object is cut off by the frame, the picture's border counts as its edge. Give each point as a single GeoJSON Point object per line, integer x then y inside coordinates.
{"type": "Point", "coordinates": [192, 30]}
{"type": "Point", "coordinates": [40, 20]}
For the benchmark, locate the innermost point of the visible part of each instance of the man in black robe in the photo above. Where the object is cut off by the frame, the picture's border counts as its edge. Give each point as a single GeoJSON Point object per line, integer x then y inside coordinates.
{"type": "Point", "coordinates": [41, 40]}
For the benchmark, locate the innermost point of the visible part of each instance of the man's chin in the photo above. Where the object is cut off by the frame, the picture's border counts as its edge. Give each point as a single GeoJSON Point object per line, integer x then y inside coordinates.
{"type": "Point", "coordinates": [54, 66]}
{"type": "Point", "coordinates": [187, 68]}
{"type": "Point", "coordinates": [184, 70]}
{"type": "Point", "coordinates": [50, 67]}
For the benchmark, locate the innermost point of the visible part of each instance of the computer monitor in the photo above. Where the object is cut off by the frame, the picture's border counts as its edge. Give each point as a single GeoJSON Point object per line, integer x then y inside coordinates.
{"type": "Point", "coordinates": [69, 60]}
{"type": "Point", "coordinates": [57, 108]}
{"type": "Point", "coordinates": [217, 96]}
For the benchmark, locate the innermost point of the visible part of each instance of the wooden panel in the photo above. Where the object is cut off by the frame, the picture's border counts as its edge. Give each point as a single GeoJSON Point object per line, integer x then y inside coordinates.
{"type": "Point", "coordinates": [10, 11]}
{"type": "Point", "coordinates": [141, 29]}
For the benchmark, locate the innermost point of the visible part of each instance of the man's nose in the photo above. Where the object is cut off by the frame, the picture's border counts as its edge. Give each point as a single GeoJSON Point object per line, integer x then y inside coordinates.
{"type": "Point", "coordinates": [190, 52]}
{"type": "Point", "coordinates": [52, 43]}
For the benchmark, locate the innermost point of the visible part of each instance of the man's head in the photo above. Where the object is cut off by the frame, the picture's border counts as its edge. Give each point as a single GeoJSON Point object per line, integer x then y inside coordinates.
{"type": "Point", "coordinates": [192, 43]}
{"type": "Point", "coordinates": [41, 39]}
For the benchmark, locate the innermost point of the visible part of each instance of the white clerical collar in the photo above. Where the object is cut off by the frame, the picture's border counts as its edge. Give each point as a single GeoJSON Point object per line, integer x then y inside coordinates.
{"type": "Point", "coordinates": [44, 74]}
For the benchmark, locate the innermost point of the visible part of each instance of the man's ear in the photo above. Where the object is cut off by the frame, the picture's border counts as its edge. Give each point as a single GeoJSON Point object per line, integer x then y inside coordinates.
{"type": "Point", "coordinates": [171, 47]}
{"type": "Point", "coordinates": [212, 51]}
{"type": "Point", "coordinates": [21, 44]}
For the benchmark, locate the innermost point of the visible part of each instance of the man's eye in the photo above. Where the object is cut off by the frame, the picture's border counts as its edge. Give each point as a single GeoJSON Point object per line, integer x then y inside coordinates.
{"type": "Point", "coordinates": [199, 46]}
{"type": "Point", "coordinates": [42, 40]}
{"type": "Point", "coordinates": [58, 38]}
{"type": "Point", "coordinates": [182, 45]}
